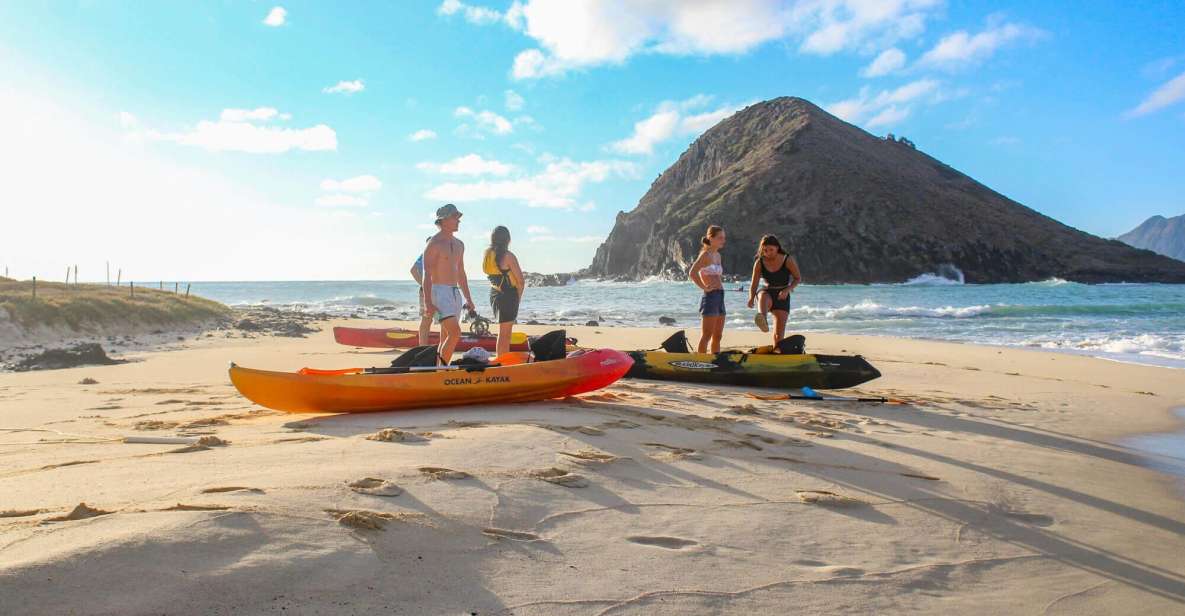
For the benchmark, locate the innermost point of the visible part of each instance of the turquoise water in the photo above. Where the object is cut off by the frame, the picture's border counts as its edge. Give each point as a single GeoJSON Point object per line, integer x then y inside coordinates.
{"type": "Point", "coordinates": [1142, 323]}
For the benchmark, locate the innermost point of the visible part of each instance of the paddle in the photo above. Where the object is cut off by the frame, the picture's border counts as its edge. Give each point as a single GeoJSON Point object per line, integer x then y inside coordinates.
{"type": "Point", "coordinates": [811, 394]}
{"type": "Point", "coordinates": [515, 337]}
{"type": "Point", "coordinates": [397, 370]}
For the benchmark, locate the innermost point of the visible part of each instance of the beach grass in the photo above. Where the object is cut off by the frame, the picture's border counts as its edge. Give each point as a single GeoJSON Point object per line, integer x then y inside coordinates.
{"type": "Point", "coordinates": [80, 306]}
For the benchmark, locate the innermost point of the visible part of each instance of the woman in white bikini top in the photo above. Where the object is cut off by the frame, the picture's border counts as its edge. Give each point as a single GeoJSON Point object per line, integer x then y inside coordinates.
{"type": "Point", "coordinates": [706, 273]}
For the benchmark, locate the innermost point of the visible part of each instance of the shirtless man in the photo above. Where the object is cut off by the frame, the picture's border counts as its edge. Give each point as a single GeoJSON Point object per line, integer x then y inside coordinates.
{"type": "Point", "coordinates": [445, 281]}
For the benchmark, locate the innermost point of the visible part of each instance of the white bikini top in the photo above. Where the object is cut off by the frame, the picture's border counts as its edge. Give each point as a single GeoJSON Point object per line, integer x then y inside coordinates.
{"type": "Point", "coordinates": [714, 269]}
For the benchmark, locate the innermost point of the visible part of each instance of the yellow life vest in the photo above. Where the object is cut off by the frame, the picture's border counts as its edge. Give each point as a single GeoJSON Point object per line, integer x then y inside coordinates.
{"type": "Point", "coordinates": [499, 278]}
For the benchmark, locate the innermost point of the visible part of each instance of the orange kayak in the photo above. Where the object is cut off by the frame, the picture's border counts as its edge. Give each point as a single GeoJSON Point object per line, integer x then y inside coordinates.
{"type": "Point", "coordinates": [312, 391]}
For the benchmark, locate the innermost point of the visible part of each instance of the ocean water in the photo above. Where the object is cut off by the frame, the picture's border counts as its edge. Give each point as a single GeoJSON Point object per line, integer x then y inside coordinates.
{"type": "Point", "coordinates": [1143, 323]}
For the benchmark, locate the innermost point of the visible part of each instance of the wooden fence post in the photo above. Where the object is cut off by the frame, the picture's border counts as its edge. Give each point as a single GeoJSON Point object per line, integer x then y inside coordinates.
{"type": "Point", "coordinates": [118, 276]}
{"type": "Point", "coordinates": [34, 287]}
{"type": "Point", "coordinates": [187, 290]}
{"type": "Point", "coordinates": [132, 287]}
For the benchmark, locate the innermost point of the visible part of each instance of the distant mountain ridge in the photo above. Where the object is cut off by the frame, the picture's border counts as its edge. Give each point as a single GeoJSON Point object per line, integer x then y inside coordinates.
{"type": "Point", "coordinates": [1161, 235]}
{"type": "Point", "coordinates": [852, 207]}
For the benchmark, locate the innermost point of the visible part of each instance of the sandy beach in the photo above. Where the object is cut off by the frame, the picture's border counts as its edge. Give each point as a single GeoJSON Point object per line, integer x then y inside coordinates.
{"type": "Point", "coordinates": [1000, 486]}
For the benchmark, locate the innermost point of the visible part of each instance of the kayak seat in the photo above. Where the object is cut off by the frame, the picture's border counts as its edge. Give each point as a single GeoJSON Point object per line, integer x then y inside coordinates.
{"type": "Point", "coordinates": [419, 356]}
{"type": "Point", "coordinates": [550, 346]}
{"type": "Point", "coordinates": [792, 345]}
{"type": "Point", "coordinates": [677, 343]}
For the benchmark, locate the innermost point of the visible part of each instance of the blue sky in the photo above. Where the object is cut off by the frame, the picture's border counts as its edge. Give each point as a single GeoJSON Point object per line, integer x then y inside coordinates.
{"type": "Point", "coordinates": [310, 140]}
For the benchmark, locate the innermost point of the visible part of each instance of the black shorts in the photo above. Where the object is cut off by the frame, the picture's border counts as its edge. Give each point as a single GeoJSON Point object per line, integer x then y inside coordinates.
{"type": "Point", "coordinates": [778, 304]}
{"type": "Point", "coordinates": [505, 305]}
{"type": "Point", "coordinates": [712, 303]}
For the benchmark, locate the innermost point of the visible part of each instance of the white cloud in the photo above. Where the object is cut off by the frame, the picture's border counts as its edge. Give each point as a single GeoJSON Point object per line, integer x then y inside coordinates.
{"type": "Point", "coordinates": [654, 129]}
{"type": "Point", "coordinates": [538, 230]}
{"type": "Point", "coordinates": [888, 61]}
{"type": "Point", "coordinates": [127, 121]}
{"type": "Point", "coordinates": [262, 114]}
{"type": "Point", "coordinates": [557, 186]}
{"type": "Point", "coordinates": [888, 106]}
{"type": "Point", "coordinates": [358, 188]}
{"type": "Point", "coordinates": [669, 121]}
{"type": "Point", "coordinates": [700, 122]}
{"type": "Point", "coordinates": [422, 135]}
{"type": "Point", "coordinates": [235, 131]}
{"type": "Point", "coordinates": [514, 101]}
{"type": "Point", "coordinates": [961, 50]}
{"type": "Point", "coordinates": [479, 15]}
{"type": "Point", "coordinates": [470, 164]}
{"type": "Point", "coordinates": [486, 121]}
{"type": "Point", "coordinates": [345, 87]}
{"type": "Point", "coordinates": [1171, 93]}
{"type": "Point", "coordinates": [276, 17]}
{"type": "Point", "coordinates": [360, 184]}
{"type": "Point", "coordinates": [888, 116]}
{"type": "Point", "coordinates": [587, 33]}
{"type": "Point", "coordinates": [342, 201]}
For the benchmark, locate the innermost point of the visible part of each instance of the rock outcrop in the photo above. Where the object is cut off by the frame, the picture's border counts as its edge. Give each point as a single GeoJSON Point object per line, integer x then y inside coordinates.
{"type": "Point", "coordinates": [852, 207]}
{"type": "Point", "coordinates": [1161, 235]}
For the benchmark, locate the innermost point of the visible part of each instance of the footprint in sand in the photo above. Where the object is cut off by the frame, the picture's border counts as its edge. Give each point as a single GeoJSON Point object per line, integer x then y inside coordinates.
{"type": "Point", "coordinates": [560, 477]}
{"type": "Point", "coordinates": [513, 535]}
{"type": "Point", "coordinates": [375, 487]}
{"type": "Point", "coordinates": [153, 424]}
{"type": "Point", "coordinates": [453, 423]}
{"type": "Point", "coordinates": [670, 452]}
{"type": "Point", "coordinates": [828, 499]}
{"type": "Point", "coordinates": [19, 513]}
{"type": "Point", "coordinates": [184, 507]}
{"type": "Point", "coordinates": [731, 443]}
{"type": "Point", "coordinates": [621, 423]}
{"type": "Point", "coordinates": [670, 543]}
{"type": "Point", "coordinates": [80, 512]}
{"type": "Point", "coordinates": [745, 409]}
{"type": "Point", "coordinates": [205, 423]}
{"type": "Point", "coordinates": [364, 519]}
{"type": "Point", "coordinates": [437, 473]}
{"type": "Point", "coordinates": [588, 456]}
{"type": "Point", "coordinates": [589, 430]}
{"type": "Point", "coordinates": [394, 435]}
{"type": "Point", "coordinates": [301, 439]}
{"type": "Point", "coordinates": [221, 489]}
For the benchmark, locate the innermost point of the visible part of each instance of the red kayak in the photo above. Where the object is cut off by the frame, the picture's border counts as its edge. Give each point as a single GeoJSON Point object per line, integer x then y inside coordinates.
{"type": "Point", "coordinates": [398, 338]}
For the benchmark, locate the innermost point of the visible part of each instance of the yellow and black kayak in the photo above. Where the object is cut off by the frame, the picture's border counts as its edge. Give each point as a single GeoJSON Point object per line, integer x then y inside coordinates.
{"type": "Point", "coordinates": [754, 369]}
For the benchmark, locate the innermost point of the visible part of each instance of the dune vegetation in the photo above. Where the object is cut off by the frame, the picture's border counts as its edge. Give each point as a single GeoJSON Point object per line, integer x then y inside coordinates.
{"type": "Point", "coordinates": [81, 307]}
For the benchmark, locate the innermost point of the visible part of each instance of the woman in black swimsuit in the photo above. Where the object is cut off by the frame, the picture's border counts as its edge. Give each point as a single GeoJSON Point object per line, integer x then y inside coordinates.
{"type": "Point", "coordinates": [781, 275]}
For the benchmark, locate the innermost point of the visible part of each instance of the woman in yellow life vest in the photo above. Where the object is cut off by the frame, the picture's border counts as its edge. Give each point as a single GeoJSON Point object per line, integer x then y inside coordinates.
{"type": "Point", "coordinates": [506, 284]}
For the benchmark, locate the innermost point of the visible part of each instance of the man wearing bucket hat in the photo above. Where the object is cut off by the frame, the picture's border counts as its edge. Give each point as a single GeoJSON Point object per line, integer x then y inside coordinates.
{"type": "Point", "coordinates": [445, 280]}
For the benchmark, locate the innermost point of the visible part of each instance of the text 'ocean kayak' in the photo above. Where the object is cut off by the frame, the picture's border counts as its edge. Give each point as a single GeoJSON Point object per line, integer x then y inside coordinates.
{"type": "Point", "coordinates": [294, 392]}
{"type": "Point", "coordinates": [754, 369]}
{"type": "Point", "coordinates": [399, 338]}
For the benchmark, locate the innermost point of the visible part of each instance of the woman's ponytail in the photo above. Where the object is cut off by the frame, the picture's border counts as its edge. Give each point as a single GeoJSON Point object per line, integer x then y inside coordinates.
{"type": "Point", "coordinates": [706, 240]}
